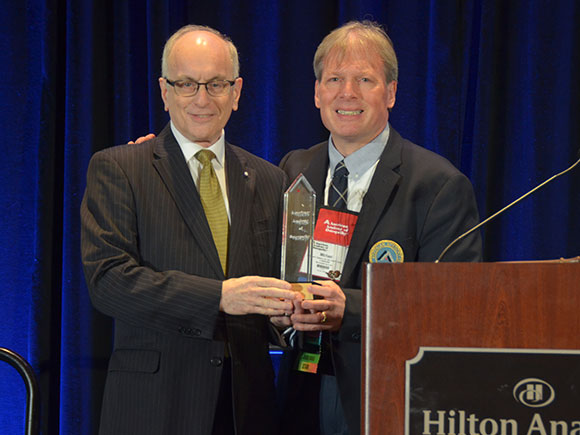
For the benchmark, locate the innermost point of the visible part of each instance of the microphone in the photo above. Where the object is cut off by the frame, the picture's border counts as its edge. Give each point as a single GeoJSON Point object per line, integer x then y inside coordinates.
{"type": "Point", "coordinates": [465, 234]}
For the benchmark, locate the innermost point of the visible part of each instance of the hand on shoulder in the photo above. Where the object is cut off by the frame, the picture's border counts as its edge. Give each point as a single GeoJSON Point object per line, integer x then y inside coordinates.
{"type": "Point", "coordinates": [142, 139]}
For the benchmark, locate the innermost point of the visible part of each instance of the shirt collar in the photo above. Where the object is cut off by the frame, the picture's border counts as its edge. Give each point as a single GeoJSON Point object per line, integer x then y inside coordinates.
{"type": "Point", "coordinates": [190, 149]}
{"type": "Point", "coordinates": [362, 159]}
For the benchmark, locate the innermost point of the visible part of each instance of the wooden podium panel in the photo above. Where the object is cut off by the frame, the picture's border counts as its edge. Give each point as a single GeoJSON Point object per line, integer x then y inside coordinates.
{"type": "Point", "coordinates": [475, 305]}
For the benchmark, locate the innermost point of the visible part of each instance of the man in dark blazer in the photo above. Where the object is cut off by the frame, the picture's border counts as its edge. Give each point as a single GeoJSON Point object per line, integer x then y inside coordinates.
{"type": "Point", "coordinates": [406, 197]}
{"type": "Point", "coordinates": [191, 336]}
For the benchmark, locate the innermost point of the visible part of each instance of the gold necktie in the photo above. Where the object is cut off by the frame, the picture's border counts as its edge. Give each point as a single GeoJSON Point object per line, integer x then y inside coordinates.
{"type": "Point", "coordinates": [213, 205]}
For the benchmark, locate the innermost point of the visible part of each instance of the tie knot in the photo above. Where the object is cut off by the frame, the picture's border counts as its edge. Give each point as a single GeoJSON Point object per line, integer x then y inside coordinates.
{"type": "Point", "coordinates": [340, 169]}
{"type": "Point", "coordinates": [205, 156]}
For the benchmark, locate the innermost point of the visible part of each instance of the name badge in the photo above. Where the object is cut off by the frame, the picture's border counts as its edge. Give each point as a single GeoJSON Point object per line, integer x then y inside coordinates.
{"type": "Point", "coordinates": [332, 237]}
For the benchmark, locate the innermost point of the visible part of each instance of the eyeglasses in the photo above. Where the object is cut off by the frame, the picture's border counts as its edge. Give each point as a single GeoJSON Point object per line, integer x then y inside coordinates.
{"type": "Point", "coordinates": [188, 88]}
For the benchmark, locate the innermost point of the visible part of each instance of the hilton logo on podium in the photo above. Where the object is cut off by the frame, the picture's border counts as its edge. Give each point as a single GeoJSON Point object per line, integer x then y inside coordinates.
{"type": "Point", "coordinates": [534, 393]}
{"type": "Point", "coordinates": [531, 392]}
{"type": "Point", "coordinates": [473, 391]}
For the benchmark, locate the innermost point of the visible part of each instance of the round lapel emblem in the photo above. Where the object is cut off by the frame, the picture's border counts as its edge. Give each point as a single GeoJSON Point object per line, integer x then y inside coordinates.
{"type": "Point", "coordinates": [386, 251]}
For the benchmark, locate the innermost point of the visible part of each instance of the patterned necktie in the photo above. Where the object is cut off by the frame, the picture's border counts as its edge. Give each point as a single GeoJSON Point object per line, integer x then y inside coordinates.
{"type": "Point", "coordinates": [338, 191]}
{"type": "Point", "coordinates": [213, 205]}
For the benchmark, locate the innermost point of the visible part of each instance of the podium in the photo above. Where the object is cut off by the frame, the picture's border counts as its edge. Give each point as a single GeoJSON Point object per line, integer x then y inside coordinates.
{"type": "Point", "coordinates": [489, 306]}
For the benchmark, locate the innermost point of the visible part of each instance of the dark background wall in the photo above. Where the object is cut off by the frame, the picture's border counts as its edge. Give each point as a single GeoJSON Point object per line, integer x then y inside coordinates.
{"type": "Point", "coordinates": [493, 85]}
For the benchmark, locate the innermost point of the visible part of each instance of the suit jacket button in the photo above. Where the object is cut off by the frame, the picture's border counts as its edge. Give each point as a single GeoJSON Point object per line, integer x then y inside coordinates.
{"type": "Point", "coordinates": [216, 361]}
{"type": "Point", "coordinates": [356, 336]}
{"type": "Point", "coordinates": [197, 332]}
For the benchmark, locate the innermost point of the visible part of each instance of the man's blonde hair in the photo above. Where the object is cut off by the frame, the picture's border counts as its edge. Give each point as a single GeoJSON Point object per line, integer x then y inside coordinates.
{"type": "Point", "coordinates": [361, 36]}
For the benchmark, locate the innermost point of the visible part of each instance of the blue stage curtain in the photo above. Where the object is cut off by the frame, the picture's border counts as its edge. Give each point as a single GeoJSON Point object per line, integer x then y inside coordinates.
{"type": "Point", "coordinates": [492, 85]}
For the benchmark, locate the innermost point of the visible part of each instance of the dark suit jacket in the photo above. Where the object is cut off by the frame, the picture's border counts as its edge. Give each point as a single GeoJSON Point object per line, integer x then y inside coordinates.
{"type": "Point", "coordinates": [151, 264]}
{"type": "Point", "coordinates": [417, 199]}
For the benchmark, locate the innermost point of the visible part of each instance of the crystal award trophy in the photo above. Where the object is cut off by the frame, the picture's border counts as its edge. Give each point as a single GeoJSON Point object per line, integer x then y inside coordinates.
{"type": "Point", "coordinates": [296, 268]}
{"type": "Point", "coordinates": [298, 233]}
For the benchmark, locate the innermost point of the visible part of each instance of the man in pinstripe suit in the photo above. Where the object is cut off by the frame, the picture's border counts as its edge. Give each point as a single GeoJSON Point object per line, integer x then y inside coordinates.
{"type": "Point", "coordinates": [191, 340]}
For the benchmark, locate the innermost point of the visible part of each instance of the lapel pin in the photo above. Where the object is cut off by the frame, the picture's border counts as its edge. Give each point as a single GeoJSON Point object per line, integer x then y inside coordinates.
{"type": "Point", "coordinates": [386, 251]}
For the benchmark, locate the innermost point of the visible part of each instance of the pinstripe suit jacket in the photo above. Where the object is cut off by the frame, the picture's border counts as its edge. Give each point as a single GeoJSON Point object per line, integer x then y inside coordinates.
{"type": "Point", "coordinates": [151, 264]}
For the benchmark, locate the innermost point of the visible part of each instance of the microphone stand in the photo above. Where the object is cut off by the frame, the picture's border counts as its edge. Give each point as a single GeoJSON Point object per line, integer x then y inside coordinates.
{"type": "Point", "coordinates": [504, 209]}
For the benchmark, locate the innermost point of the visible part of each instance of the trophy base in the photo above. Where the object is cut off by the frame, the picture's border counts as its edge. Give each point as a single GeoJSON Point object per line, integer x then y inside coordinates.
{"type": "Point", "coordinates": [302, 287]}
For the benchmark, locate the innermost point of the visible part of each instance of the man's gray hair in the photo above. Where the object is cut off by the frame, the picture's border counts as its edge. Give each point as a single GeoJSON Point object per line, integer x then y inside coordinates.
{"type": "Point", "coordinates": [194, 28]}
